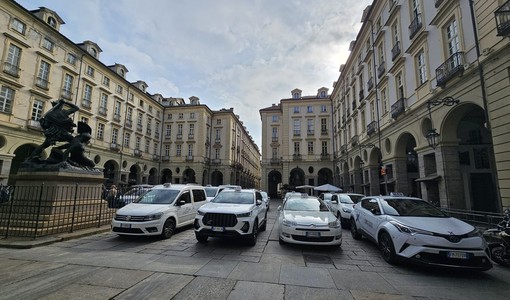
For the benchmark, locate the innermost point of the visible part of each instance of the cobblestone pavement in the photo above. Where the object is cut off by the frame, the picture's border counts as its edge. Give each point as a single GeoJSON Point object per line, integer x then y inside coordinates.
{"type": "Point", "coordinates": [105, 266]}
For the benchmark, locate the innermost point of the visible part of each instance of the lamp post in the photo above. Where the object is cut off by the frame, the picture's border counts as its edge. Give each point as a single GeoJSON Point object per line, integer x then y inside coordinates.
{"type": "Point", "coordinates": [432, 134]}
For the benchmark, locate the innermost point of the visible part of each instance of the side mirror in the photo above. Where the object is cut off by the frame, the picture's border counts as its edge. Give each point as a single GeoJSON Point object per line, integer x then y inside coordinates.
{"type": "Point", "coordinates": [334, 201]}
{"type": "Point", "coordinates": [279, 208]}
{"type": "Point", "coordinates": [374, 211]}
{"type": "Point", "coordinates": [259, 202]}
{"type": "Point", "coordinates": [180, 202]}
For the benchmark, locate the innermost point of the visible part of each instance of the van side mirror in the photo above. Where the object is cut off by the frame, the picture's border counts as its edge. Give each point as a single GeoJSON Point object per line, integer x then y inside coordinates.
{"type": "Point", "coordinates": [180, 202]}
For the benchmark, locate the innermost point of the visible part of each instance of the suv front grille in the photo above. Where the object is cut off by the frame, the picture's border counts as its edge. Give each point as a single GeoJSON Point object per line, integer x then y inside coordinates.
{"type": "Point", "coordinates": [129, 218]}
{"type": "Point", "coordinates": [220, 220]}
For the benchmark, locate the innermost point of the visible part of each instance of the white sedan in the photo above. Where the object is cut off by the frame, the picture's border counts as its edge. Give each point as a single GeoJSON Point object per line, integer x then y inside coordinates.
{"type": "Point", "coordinates": [307, 220]}
{"type": "Point", "coordinates": [411, 229]}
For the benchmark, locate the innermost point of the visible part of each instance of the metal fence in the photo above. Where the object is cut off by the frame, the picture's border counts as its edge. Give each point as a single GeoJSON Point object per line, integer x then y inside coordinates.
{"type": "Point", "coordinates": [479, 219]}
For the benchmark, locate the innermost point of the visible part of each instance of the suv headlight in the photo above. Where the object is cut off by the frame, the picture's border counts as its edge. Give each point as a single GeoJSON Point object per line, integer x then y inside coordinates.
{"type": "Point", "coordinates": [200, 213]}
{"type": "Point", "coordinates": [153, 217]}
{"type": "Point", "coordinates": [286, 222]}
{"type": "Point", "coordinates": [335, 224]}
{"type": "Point", "coordinates": [244, 215]}
{"type": "Point", "coordinates": [409, 230]}
{"type": "Point", "coordinates": [474, 233]}
{"type": "Point", "coordinates": [347, 210]}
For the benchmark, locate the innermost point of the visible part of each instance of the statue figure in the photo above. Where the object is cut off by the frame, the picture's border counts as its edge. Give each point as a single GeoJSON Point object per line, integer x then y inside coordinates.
{"type": "Point", "coordinates": [58, 127]}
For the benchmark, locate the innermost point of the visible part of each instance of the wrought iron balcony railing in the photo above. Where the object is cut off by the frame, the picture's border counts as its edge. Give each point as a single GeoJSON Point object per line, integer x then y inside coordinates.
{"type": "Point", "coordinates": [275, 161]}
{"type": "Point", "coordinates": [11, 69]}
{"type": "Point", "coordinates": [452, 67]}
{"type": "Point", "coordinates": [86, 103]}
{"type": "Point", "coordinates": [502, 15]}
{"type": "Point", "coordinates": [343, 148]}
{"type": "Point", "coordinates": [398, 108]}
{"type": "Point", "coordinates": [372, 127]}
{"type": "Point", "coordinates": [355, 140]}
{"type": "Point", "coordinates": [42, 83]}
{"type": "Point", "coordinates": [415, 26]}
{"type": "Point", "coordinates": [370, 83]}
{"type": "Point", "coordinates": [438, 2]}
{"type": "Point", "coordinates": [381, 69]}
{"type": "Point", "coordinates": [129, 123]}
{"type": "Point", "coordinates": [395, 51]}
{"type": "Point", "coordinates": [297, 157]}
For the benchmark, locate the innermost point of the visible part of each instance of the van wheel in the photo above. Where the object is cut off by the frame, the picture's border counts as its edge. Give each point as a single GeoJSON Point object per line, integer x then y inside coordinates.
{"type": "Point", "coordinates": [252, 238]}
{"type": "Point", "coordinates": [168, 229]}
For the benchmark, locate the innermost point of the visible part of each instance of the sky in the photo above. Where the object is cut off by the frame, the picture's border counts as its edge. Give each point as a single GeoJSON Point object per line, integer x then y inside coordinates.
{"type": "Point", "coordinates": [245, 54]}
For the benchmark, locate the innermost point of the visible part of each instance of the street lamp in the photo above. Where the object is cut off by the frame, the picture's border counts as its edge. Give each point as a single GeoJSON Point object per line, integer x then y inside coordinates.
{"type": "Point", "coordinates": [432, 135]}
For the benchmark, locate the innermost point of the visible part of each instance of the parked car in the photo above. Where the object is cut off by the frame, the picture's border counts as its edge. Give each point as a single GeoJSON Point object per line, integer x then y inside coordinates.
{"type": "Point", "coordinates": [238, 213]}
{"type": "Point", "coordinates": [134, 192]}
{"type": "Point", "coordinates": [212, 191]}
{"type": "Point", "coordinates": [291, 194]}
{"type": "Point", "coordinates": [411, 229]}
{"type": "Point", "coordinates": [265, 198]}
{"type": "Point", "coordinates": [341, 204]}
{"type": "Point", "coordinates": [308, 220]}
{"type": "Point", "coordinates": [160, 210]}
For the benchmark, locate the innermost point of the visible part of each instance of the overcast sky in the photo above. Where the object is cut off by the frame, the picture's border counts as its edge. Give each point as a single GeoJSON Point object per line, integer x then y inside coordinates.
{"type": "Point", "coordinates": [229, 53]}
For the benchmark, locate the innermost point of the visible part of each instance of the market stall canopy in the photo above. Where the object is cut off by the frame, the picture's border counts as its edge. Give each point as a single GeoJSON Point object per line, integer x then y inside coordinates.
{"type": "Point", "coordinates": [327, 188]}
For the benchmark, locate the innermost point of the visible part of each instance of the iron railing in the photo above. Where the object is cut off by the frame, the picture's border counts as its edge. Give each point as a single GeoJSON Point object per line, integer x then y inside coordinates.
{"type": "Point", "coordinates": [503, 19]}
{"type": "Point", "coordinates": [481, 219]}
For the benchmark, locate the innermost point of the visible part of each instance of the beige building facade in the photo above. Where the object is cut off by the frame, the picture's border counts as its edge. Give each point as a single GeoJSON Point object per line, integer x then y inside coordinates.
{"type": "Point", "coordinates": [138, 137]}
{"type": "Point", "coordinates": [297, 142]}
{"type": "Point", "coordinates": [418, 105]}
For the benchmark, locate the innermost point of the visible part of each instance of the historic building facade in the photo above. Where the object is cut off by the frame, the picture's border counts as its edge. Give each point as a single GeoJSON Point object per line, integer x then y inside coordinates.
{"type": "Point", "coordinates": [297, 141]}
{"type": "Point", "coordinates": [419, 104]}
{"type": "Point", "coordinates": [138, 137]}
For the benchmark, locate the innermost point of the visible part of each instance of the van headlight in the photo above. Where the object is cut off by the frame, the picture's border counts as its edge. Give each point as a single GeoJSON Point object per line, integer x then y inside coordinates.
{"type": "Point", "coordinates": [335, 224]}
{"type": "Point", "coordinates": [153, 217]}
{"type": "Point", "coordinates": [244, 215]}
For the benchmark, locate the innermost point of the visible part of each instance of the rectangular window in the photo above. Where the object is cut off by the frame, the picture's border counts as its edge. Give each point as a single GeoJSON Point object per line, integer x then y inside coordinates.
{"type": "Point", "coordinates": [129, 115]}
{"type": "Point", "coordinates": [67, 90]}
{"type": "Point", "coordinates": [296, 109]}
{"type": "Point", "coordinates": [178, 150]}
{"type": "Point", "coordinates": [384, 101]}
{"type": "Point", "coordinates": [115, 135]}
{"type": "Point", "coordinates": [217, 153]}
{"type": "Point", "coordinates": [106, 81]}
{"type": "Point", "coordinates": [324, 125]}
{"type": "Point", "coordinates": [181, 116]}
{"type": "Point", "coordinates": [18, 26]}
{"type": "Point", "coordinates": [422, 67]}
{"type": "Point", "coordinates": [138, 141]}
{"type": "Point", "coordinates": [131, 97]}
{"type": "Point", "coordinates": [400, 86]}
{"type": "Point", "coordinates": [37, 110]}
{"type": "Point", "coordinates": [104, 101]}
{"type": "Point", "coordinates": [179, 129]}
{"type": "Point", "coordinates": [169, 116]}
{"type": "Point", "coordinates": [191, 130]}
{"type": "Point", "coordinates": [71, 59]}
{"type": "Point", "coordinates": [297, 127]}
{"type": "Point", "coordinates": [275, 118]}
{"type": "Point", "coordinates": [90, 71]}
{"type": "Point", "coordinates": [275, 133]}
{"type": "Point", "coordinates": [167, 150]}
{"type": "Point", "coordinates": [87, 94]}
{"type": "Point", "coordinates": [116, 109]}
{"type": "Point", "coordinates": [310, 147]}
{"type": "Point", "coordinates": [218, 122]}
{"type": "Point", "coordinates": [192, 115]}
{"type": "Point", "coordinates": [155, 149]}
{"type": "Point", "coordinates": [452, 36]}
{"type": "Point", "coordinates": [309, 109]}
{"type": "Point", "coordinates": [139, 120]}
{"type": "Point", "coordinates": [120, 89]}
{"type": "Point", "coordinates": [218, 135]}
{"type": "Point", "coordinates": [147, 145]}
{"type": "Point", "coordinates": [43, 75]}
{"type": "Point", "coordinates": [324, 147]}
{"type": "Point", "coordinates": [168, 132]}
{"type": "Point", "coordinates": [190, 149]}
{"type": "Point", "coordinates": [100, 131]}
{"type": "Point", "coordinates": [296, 148]}
{"type": "Point", "coordinates": [372, 109]}
{"type": "Point", "coordinates": [48, 44]}
{"type": "Point", "coordinates": [310, 127]}
{"type": "Point", "coordinates": [11, 64]}
{"type": "Point", "coordinates": [274, 153]}
{"type": "Point", "coordinates": [324, 108]}
{"type": "Point", "coordinates": [127, 137]}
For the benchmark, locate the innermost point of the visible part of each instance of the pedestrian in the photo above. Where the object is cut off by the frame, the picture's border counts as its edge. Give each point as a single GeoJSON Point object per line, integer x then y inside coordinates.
{"type": "Point", "coordinates": [112, 196]}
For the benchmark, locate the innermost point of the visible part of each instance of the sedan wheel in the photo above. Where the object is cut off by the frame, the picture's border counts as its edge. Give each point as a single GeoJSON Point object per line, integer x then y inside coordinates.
{"type": "Point", "coordinates": [354, 231]}
{"type": "Point", "coordinates": [387, 248]}
{"type": "Point", "coordinates": [168, 229]}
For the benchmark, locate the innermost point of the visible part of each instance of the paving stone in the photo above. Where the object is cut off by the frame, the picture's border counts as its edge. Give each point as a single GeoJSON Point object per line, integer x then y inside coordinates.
{"type": "Point", "coordinates": [260, 272]}
{"type": "Point", "coordinates": [358, 280]}
{"type": "Point", "coordinates": [241, 258]}
{"type": "Point", "coordinates": [115, 278]}
{"type": "Point", "coordinates": [307, 293]}
{"type": "Point", "coordinates": [345, 261]}
{"type": "Point", "coordinates": [85, 292]}
{"type": "Point", "coordinates": [303, 276]}
{"type": "Point", "coordinates": [206, 288]}
{"type": "Point", "coordinates": [217, 268]}
{"type": "Point", "coordinates": [269, 258]}
{"type": "Point", "coordinates": [16, 270]}
{"type": "Point", "coordinates": [177, 264]}
{"type": "Point", "coordinates": [287, 249]}
{"type": "Point", "coordinates": [366, 295]}
{"type": "Point", "coordinates": [246, 290]}
{"type": "Point", "coordinates": [157, 286]}
{"type": "Point", "coordinates": [347, 267]}
{"type": "Point", "coordinates": [178, 253]}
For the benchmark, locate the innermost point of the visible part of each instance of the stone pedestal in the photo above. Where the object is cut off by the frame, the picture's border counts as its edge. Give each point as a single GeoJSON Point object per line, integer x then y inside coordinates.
{"type": "Point", "coordinates": [46, 202]}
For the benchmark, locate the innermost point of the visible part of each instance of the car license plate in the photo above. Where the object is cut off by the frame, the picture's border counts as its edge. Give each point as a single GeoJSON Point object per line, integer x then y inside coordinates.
{"type": "Point", "coordinates": [124, 225]}
{"type": "Point", "coordinates": [218, 229]}
{"type": "Point", "coordinates": [313, 234]}
{"type": "Point", "coordinates": [458, 255]}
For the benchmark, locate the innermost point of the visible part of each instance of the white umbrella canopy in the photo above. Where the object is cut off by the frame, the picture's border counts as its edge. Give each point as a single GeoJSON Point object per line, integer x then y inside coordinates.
{"type": "Point", "coordinates": [306, 186]}
{"type": "Point", "coordinates": [327, 188]}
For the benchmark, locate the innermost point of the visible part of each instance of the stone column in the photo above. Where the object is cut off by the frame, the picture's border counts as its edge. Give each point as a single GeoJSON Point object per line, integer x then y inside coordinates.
{"type": "Point", "coordinates": [452, 187]}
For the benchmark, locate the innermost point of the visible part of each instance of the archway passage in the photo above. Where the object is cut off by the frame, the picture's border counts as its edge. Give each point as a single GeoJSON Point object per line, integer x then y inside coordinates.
{"type": "Point", "coordinates": [153, 176]}
{"type": "Point", "coordinates": [216, 178]}
{"type": "Point", "coordinates": [297, 177]}
{"type": "Point", "coordinates": [188, 176]}
{"type": "Point", "coordinates": [20, 154]}
{"type": "Point", "coordinates": [273, 179]}
{"type": "Point", "coordinates": [325, 176]}
{"type": "Point", "coordinates": [109, 170]}
{"type": "Point", "coordinates": [133, 175]}
{"type": "Point", "coordinates": [166, 176]}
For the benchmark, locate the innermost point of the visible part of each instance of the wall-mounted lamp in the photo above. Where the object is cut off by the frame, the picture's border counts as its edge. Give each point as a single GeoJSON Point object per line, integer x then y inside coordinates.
{"type": "Point", "coordinates": [432, 134]}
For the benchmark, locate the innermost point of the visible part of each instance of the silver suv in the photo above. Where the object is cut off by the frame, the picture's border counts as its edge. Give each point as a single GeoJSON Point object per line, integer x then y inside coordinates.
{"type": "Point", "coordinates": [238, 213]}
{"type": "Point", "coordinates": [160, 210]}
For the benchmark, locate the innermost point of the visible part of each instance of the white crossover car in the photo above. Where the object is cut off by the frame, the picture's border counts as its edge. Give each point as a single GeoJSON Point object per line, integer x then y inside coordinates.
{"type": "Point", "coordinates": [237, 213]}
{"type": "Point", "coordinates": [411, 229]}
{"type": "Point", "coordinates": [341, 204]}
{"type": "Point", "coordinates": [307, 220]}
{"type": "Point", "coordinates": [160, 210]}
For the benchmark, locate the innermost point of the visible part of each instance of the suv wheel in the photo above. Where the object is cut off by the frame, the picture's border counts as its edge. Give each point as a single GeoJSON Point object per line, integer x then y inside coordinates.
{"type": "Point", "coordinates": [354, 230]}
{"type": "Point", "coordinates": [387, 248]}
{"type": "Point", "coordinates": [168, 229]}
{"type": "Point", "coordinates": [264, 226]}
{"type": "Point", "coordinates": [252, 238]}
{"type": "Point", "coordinates": [201, 238]}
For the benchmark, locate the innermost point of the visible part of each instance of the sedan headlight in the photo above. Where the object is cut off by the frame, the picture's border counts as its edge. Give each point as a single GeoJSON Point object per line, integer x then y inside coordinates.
{"type": "Point", "coordinates": [200, 213]}
{"type": "Point", "coordinates": [153, 217]}
{"type": "Point", "coordinates": [335, 224]}
{"type": "Point", "coordinates": [410, 230]}
{"type": "Point", "coordinates": [347, 210]}
{"type": "Point", "coordinates": [244, 215]}
{"type": "Point", "coordinates": [289, 223]}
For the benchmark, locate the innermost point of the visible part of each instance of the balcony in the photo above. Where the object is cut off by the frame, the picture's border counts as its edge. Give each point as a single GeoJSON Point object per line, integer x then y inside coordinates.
{"type": "Point", "coordinates": [297, 157]}
{"type": "Point", "coordinates": [372, 127]}
{"type": "Point", "coordinates": [324, 132]}
{"type": "Point", "coordinates": [156, 135]}
{"type": "Point", "coordinates": [102, 111]}
{"type": "Point", "coordinates": [34, 124]}
{"type": "Point", "coordinates": [139, 127]}
{"type": "Point", "coordinates": [189, 158]}
{"type": "Point", "coordinates": [370, 84]}
{"type": "Point", "coordinates": [155, 157]}
{"type": "Point", "coordinates": [398, 108]}
{"type": "Point", "coordinates": [148, 132]}
{"type": "Point", "coordinates": [310, 132]}
{"type": "Point", "coordinates": [354, 140]}
{"type": "Point", "coordinates": [217, 141]}
{"type": "Point", "coordinates": [165, 158]}
{"type": "Point", "coordinates": [11, 69]}
{"type": "Point", "coordinates": [415, 26]}
{"type": "Point", "coordinates": [129, 123]}
{"type": "Point", "coordinates": [114, 146]}
{"type": "Point", "coordinates": [297, 133]}
{"type": "Point", "coordinates": [274, 139]}
{"type": "Point", "coordinates": [179, 136]}
{"type": "Point", "coordinates": [216, 161]}
{"type": "Point", "coordinates": [381, 69]}
{"type": "Point", "coordinates": [325, 156]}
{"type": "Point", "coordinates": [42, 83]}
{"type": "Point", "coordinates": [453, 66]}
{"type": "Point", "coordinates": [67, 94]}
{"type": "Point", "coordinates": [502, 15]}
{"type": "Point", "coordinates": [191, 136]}
{"type": "Point", "coordinates": [343, 149]}
{"type": "Point", "coordinates": [86, 103]}
{"type": "Point", "coordinates": [168, 136]}
{"type": "Point", "coordinates": [137, 153]}
{"type": "Point", "coordinates": [438, 3]}
{"type": "Point", "coordinates": [395, 51]}
{"type": "Point", "coordinates": [275, 161]}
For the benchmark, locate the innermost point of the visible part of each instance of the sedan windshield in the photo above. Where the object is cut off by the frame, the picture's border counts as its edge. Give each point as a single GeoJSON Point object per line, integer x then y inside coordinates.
{"type": "Point", "coordinates": [158, 197]}
{"type": "Point", "coordinates": [295, 204]}
{"type": "Point", "coordinates": [234, 198]}
{"type": "Point", "coordinates": [410, 208]}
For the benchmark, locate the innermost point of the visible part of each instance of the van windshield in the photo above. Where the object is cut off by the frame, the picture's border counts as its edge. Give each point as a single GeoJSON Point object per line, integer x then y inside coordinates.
{"type": "Point", "coordinates": [163, 196]}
